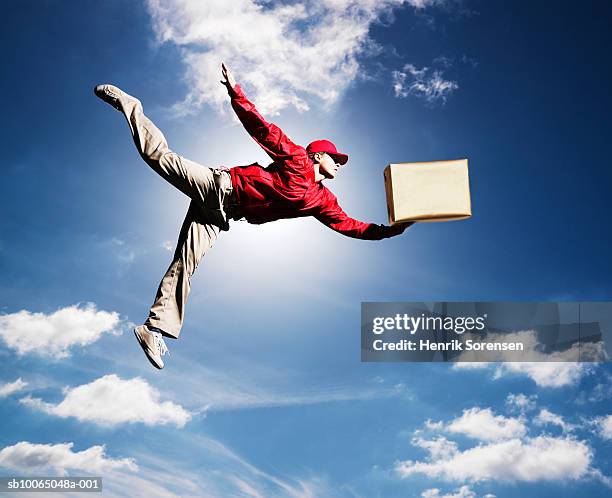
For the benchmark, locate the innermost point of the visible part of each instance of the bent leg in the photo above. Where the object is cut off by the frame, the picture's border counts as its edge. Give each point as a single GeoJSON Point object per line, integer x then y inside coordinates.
{"type": "Point", "coordinates": [196, 237]}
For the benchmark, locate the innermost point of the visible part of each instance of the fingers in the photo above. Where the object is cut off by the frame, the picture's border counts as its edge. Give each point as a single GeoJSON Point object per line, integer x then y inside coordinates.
{"type": "Point", "coordinates": [228, 78]}
{"type": "Point", "coordinates": [224, 74]}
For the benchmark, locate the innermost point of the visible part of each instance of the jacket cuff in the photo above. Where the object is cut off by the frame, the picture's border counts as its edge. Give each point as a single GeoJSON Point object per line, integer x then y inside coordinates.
{"type": "Point", "coordinates": [235, 92]}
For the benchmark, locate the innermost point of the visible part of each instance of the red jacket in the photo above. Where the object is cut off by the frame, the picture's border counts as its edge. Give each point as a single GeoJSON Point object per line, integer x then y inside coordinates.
{"type": "Point", "coordinates": [287, 187]}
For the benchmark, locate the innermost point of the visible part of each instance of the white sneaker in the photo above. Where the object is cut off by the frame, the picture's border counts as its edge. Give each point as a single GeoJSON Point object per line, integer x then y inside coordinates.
{"type": "Point", "coordinates": [152, 344]}
{"type": "Point", "coordinates": [113, 95]}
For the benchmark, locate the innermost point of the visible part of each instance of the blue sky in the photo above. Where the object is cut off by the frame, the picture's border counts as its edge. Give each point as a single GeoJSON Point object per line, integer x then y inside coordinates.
{"type": "Point", "coordinates": [264, 394]}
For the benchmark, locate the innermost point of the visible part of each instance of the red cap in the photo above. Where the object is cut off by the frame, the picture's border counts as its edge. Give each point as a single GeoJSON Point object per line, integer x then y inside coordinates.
{"type": "Point", "coordinates": [329, 148]}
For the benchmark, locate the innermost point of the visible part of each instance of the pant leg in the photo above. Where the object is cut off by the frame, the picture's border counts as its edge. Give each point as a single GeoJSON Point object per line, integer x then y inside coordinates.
{"type": "Point", "coordinates": [206, 216]}
{"type": "Point", "coordinates": [196, 237]}
{"type": "Point", "coordinates": [194, 180]}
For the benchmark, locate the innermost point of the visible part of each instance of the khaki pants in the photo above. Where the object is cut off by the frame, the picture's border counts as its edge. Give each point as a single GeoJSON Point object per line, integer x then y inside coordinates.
{"type": "Point", "coordinates": [210, 192]}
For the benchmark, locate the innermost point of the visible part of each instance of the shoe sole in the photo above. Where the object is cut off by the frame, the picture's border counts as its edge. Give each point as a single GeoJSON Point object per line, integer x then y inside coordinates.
{"type": "Point", "coordinates": [147, 350]}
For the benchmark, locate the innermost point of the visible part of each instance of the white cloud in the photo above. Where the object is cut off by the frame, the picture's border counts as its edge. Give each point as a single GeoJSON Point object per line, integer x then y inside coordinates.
{"type": "Point", "coordinates": [535, 459]}
{"type": "Point", "coordinates": [246, 489]}
{"type": "Point", "coordinates": [544, 374]}
{"type": "Point", "coordinates": [12, 387]}
{"type": "Point", "coordinates": [462, 492]}
{"type": "Point", "coordinates": [549, 374]}
{"type": "Point", "coordinates": [601, 392]}
{"type": "Point", "coordinates": [601, 477]}
{"type": "Point", "coordinates": [513, 456]}
{"type": "Point", "coordinates": [521, 402]}
{"type": "Point", "coordinates": [471, 365]}
{"type": "Point", "coordinates": [554, 370]}
{"type": "Point", "coordinates": [288, 54]}
{"type": "Point", "coordinates": [422, 4]}
{"type": "Point", "coordinates": [439, 447]}
{"type": "Point", "coordinates": [111, 400]}
{"type": "Point", "coordinates": [55, 333]}
{"type": "Point", "coordinates": [32, 458]}
{"type": "Point", "coordinates": [605, 427]}
{"type": "Point", "coordinates": [547, 417]}
{"type": "Point", "coordinates": [168, 245]}
{"type": "Point", "coordinates": [426, 83]}
{"type": "Point", "coordinates": [433, 426]}
{"type": "Point", "coordinates": [484, 425]}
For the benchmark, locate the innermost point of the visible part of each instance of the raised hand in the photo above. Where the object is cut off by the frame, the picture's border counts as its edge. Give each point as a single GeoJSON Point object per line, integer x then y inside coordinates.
{"type": "Point", "coordinates": [228, 78]}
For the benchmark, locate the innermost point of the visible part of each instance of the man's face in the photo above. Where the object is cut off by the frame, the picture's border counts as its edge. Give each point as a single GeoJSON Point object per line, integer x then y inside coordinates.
{"type": "Point", "coordinates": [328, 165]}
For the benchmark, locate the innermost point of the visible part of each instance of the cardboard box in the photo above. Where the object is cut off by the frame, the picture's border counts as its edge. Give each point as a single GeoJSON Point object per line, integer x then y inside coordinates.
{"type": "Point", "coordinates": [433, 191]}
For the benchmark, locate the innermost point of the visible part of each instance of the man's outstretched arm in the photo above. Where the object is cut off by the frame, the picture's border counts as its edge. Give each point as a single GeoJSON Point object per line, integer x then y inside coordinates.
{"type": "Point", "coordinates": [269, 136]}
{"type": "Point", "coordinates": [332, 215]}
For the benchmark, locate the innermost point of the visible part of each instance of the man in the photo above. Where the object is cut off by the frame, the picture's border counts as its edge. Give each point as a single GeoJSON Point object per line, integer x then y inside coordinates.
{"type": "Point", "coordinates": [290, 187]}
